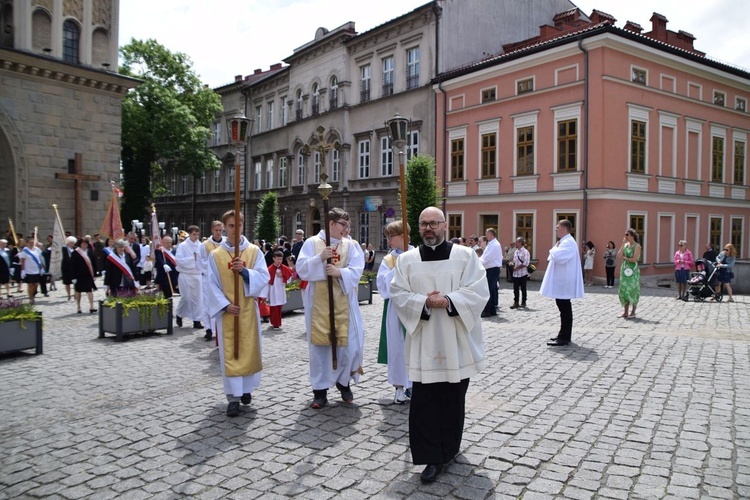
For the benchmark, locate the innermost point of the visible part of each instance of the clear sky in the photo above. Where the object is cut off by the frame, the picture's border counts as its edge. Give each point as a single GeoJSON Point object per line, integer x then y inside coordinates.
{"type": "Point", "coordinates": [225, 38]}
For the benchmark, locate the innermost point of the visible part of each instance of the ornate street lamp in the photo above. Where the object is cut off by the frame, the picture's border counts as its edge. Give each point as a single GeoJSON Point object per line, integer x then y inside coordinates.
{"type": "Point", "coordinates": [398, 132]}
{"type": "Point", "coordinates": [238, 129]}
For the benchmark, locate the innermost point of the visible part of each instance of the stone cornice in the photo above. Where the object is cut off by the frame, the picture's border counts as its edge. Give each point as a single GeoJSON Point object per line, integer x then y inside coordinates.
{"type": "Point", "coordinates": [41, 68]}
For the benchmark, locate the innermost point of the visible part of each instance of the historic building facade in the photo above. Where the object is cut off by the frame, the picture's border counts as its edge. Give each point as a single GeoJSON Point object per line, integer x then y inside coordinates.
{"type": "Point", "coordinates": [60, 100]}
{"type": "Point", "coordinates": [609, 127]}
{"type": "Point", "coordinates": [351, 83]}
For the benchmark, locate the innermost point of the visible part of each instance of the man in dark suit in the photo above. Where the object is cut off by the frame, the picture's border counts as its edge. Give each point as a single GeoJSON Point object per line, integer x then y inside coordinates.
{"type": "Point", "coordinates": [298, 242]}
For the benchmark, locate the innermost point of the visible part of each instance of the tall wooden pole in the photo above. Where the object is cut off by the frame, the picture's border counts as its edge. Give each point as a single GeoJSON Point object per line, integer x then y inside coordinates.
{"type": "Point", "coordinates": [237, 224]}
{"type": "Point", "coordinates": [402, 179]}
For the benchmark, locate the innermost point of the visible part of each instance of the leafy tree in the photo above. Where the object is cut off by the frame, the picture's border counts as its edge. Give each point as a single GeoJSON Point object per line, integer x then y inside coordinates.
{"type": "Point", "coordinates": [267, 221]}
{"type": "Point", "coordinates": [165, 123]}
{"type": "Point", "coordinates": [422, 191]}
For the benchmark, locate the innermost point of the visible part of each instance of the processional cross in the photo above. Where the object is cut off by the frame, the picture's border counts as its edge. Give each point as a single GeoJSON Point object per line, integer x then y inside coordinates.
{"type": "Point", "coordinates": [78, 177]}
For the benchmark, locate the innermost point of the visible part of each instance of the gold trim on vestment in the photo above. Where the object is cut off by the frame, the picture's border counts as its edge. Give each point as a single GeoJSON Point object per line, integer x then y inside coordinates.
{"type": "Point", "coordinates": [320, 321]}
{"type": "Point", "coordinates": [249, 361]}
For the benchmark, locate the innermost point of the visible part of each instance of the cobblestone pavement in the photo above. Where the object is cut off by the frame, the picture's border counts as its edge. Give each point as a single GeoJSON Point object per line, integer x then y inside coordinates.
{"type": "Point", "coordinates": [657, 407]}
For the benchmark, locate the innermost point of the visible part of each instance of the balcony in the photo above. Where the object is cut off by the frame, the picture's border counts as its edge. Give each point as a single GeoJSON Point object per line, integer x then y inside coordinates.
{"type": "Point", "coordinates": [364, 92]}
{"type": "Point", "coordinates": [387, 89]}
{"type": "Point", "coordinates": [333, 101]}
{"type": "Point", "coordinates": [298, 113]}
{"type": "Point", "coordinates": [316, 106]}
{"type": "Point", "coordinates": [412, 81]}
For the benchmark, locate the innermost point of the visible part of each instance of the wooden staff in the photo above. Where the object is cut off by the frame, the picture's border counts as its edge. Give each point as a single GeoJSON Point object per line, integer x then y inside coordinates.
{"type": "Point", "coordinates": [331, 312]}
{"type": "Point", "coordinates": [169, 279]}
{"type": "Point", "coordinates": [237, 223]}
{"type": "Point", "coordinates": [36, 229]}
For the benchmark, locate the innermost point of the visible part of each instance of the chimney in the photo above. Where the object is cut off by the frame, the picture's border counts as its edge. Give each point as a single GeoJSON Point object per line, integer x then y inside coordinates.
{"type": "Point", "coordinates": [659, 27]}
{"type": "Point", "coordinates": [634, 27]}
{"type": "Point", "coordinates": [258, 71]}
{"type": "Point", "coordinates": [275, 66]}
{"type": "Point", "coordinates": [238, 78]}
{"type": "Point", "coordinates": [598, 16]}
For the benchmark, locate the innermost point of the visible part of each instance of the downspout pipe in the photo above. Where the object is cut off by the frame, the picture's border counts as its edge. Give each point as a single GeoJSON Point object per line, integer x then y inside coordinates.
{"type": "Point", "coordinates": [245, 190]}
{"type": "Point", "coordinates": [437, 10]}
{"type": "Point", "coordinates": [585, 162]}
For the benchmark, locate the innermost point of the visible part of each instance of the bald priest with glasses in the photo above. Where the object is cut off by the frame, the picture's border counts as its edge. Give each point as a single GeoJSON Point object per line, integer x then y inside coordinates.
{"type": "Point", "coordinates": [439, 291]}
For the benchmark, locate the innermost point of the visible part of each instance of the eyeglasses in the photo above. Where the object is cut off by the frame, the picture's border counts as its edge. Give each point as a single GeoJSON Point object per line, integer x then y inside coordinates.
{"type": "Point", "coordinates": [433, 224]}
{"type": "Point", "coordinates": [345, 225]}
{"type": "Point", "coordinates": [680, 245]}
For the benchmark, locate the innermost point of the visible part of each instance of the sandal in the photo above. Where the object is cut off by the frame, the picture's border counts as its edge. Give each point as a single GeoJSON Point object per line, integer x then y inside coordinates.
{"type": "Point", "coordinates": [623, 315]}
{"type": "Point", "coordinates": [632, 315]}
{"type": "Point", "coordinates": [730, 299]}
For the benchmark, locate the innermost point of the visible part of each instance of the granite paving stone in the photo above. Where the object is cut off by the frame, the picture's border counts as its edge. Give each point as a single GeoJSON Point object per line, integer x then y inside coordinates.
{"type": "Point", "coordinates": [656, 407]}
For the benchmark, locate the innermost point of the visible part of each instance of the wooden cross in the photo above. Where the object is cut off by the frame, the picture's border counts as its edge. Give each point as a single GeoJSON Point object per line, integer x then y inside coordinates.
{"type": "Point", "coordinates": [79, 178]}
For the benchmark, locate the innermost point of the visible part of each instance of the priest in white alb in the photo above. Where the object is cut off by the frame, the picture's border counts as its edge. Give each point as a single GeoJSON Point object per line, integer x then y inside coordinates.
{"type": "Point", "coordinates": [191, 286]}
{"type": "Point", "coordinates": [241, 374]}
{"type": "Point", "coordinates": [439, 291]}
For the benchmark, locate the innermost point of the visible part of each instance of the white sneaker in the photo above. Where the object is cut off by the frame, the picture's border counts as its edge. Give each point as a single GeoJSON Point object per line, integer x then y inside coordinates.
{"type": "Point", "coordinates": [400, 398]}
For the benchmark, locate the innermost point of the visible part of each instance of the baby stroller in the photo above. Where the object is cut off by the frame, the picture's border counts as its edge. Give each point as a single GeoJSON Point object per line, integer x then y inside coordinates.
{"type": "Point", "coordinates": [703, 282]}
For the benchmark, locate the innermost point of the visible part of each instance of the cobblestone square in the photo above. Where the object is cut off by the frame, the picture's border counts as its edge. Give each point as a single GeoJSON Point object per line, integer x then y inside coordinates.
{"type": "Point", "coordinates": [655, 407]}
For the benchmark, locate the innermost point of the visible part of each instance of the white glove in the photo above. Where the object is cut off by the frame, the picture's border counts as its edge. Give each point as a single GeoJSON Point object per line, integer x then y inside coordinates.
{"type": "Point", "coordinates": [167, 269]}
{"type": "Point", "coordinates": [23, 275]}
{"type": "Point", "coordinates": [74, 281]}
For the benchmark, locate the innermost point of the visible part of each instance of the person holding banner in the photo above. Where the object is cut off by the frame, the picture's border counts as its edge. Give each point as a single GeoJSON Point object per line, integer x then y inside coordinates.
{"type": "Point", "coordinates": [32, 267]}
{"type": "Point", "coordinates": [347, 265]}
{"type": "Point", "coordinates": [120, 272]}
{"type": "Point", "coordinates": [83, 274]}
{"type": "Point", "coordinates": [5, 266]}
{"type": "Point", "coordinates": [166, 268]}
{"type": "Point", "coordinates": [240, 368]}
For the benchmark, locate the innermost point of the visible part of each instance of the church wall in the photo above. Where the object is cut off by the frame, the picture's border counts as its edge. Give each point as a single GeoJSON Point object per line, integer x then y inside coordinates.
{"type": "Point", "coordinates": [54, 122]}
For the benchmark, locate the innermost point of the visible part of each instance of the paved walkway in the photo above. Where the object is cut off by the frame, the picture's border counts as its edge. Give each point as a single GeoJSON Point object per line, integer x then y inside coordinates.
{"type": "Point", "coordinates": [657, 407]}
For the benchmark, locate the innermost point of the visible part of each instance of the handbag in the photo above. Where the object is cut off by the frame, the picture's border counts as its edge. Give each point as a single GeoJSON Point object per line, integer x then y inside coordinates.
{"type": "Point", "coordinates": [628, 272]}
{"type": "Point", "coordinates": [530, 268]}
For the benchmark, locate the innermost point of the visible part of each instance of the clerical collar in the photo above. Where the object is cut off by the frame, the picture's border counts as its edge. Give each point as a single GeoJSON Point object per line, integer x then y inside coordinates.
{"type": "Point", "coordinates": [217, 242]}
{"type": "Point", "coordinates": [434, 247]}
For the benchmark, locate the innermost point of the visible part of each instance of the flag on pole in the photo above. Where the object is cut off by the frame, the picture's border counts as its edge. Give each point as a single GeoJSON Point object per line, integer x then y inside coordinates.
{"type": "Point", "coordinates": [116, 189]}
{"type": "Point", "coordinates": [155, 233]}
{"type": "Point", "coordinates": [58, 243]}
{"type": "Point", "coordinates": [112, 225]}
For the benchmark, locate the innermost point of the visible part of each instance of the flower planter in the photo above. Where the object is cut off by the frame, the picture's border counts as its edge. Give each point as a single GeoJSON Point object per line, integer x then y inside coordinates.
{"type": "Point", "coordinates": [114, 320]}
{"type": "Point", "coordinates": [365, 292]}
{"type": "Point", "coordinates": [18, 335]}
{"type": "Point", "coordinates": [293, 301]}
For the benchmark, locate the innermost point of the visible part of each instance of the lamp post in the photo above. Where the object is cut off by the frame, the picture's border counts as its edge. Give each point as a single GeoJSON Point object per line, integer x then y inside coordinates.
{"type": "Point", "coordinates": [134, 225]}
{"type": "Point", "coordinates": [238, 129]}
{"type": "Point", "coordinates": [398, 130]}
{"type": "Point", "coordinates": [317, 143]}
{"type": "Point", "coordinates": [175, 230]}
{"type": "Point", "coordinates": [162, 225]}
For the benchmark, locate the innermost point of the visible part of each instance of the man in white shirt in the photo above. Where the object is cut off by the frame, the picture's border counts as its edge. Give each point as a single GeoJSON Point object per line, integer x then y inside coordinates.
{"type": "Point", "coordinates": [492, 260]}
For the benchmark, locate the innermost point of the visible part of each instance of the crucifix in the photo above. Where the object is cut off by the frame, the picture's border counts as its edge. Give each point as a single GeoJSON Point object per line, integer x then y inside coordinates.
{"type": "Point", "coordinates": [78, 177]}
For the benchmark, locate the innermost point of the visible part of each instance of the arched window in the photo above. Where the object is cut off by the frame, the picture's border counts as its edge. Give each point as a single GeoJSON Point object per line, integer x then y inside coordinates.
{"type": "Point", "coordinates": [334, 93]}
{"type": "Point", "coordinates": [71, 42]}
{"type": "Point", "coordinates": [315, 100]}
{"type": "Point", "coordinates": [298, 105]}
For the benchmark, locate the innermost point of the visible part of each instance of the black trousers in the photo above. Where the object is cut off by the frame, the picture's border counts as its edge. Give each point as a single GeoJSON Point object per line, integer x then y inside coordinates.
{"type": "Point", "coordinates": [520, 283]}
{"type": "Point", "coordinates": [436, 421]}
{"type": "Point", "coordinates": [493, 275]}
{"type": "Point", "coordinates": [566, 319]}
{"type": "Point", "coordinates": [610, 276]}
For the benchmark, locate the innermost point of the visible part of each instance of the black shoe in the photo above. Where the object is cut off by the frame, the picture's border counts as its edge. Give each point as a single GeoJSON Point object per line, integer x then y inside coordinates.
{"type": "Point", "coordinates": [320, 399]}
{"type": "Point", "coordinates": [346, 393]}
{"type": "Point", "coordinates": [265, 319]}
{"type": "Point", "coordinates": [431, 472]}
{"type": "Point", "coordinates": [179, 321]}
{"type": "Point", "coordinates": [553, 339]}
{"type": "Point", "coordinates": [523, 305]}
{"type": "Point", "coordinates": [197, 325]}
{"type": "Point", "coordinates": [233, 409]}
{"type": "Point", "coordinates": [209, 335]}
{"type": "Point", "coordinates": [557, 343]}
{"type": "Point", "coordinates": [515, 305]}
{"type": "Point", "coordinates": [92, 311]}
{"type": "Point", "coordinates": [246, 398]}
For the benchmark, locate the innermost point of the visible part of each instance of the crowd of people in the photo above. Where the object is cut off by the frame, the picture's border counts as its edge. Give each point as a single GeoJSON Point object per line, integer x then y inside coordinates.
{"type": "Point", "coordinates": [435, 298]}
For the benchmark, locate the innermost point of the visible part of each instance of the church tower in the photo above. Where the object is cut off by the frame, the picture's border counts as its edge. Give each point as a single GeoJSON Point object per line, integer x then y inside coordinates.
{"type": "Point", "coordinates": [60, 109]}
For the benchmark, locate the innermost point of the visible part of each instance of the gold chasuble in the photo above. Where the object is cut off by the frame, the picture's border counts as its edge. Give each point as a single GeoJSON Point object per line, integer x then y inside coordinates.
{"type": "Point", "coordinates": [249, 361]}
{"type": "Point", "coordinates": [210, 245]}
{"type": "Point", "coordinates": [321, 324]}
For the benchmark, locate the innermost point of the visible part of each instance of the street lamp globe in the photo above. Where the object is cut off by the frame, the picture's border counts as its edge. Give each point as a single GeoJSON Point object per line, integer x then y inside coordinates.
{"type": "Point", "coordinates": [398, 129]}
{"type": "Point", "coordinates": [238, 128]}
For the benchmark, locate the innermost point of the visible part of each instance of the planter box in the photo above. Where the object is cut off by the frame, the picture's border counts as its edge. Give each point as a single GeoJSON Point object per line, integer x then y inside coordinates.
{"type": "Point", "coordinates": [112, 320]}
{"type": "Point", "coordinates": [293, 301]}
{"type": "Point", "coordinates": [14, 337]}
{"type": "Point", "coordinates": [365, 292]}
